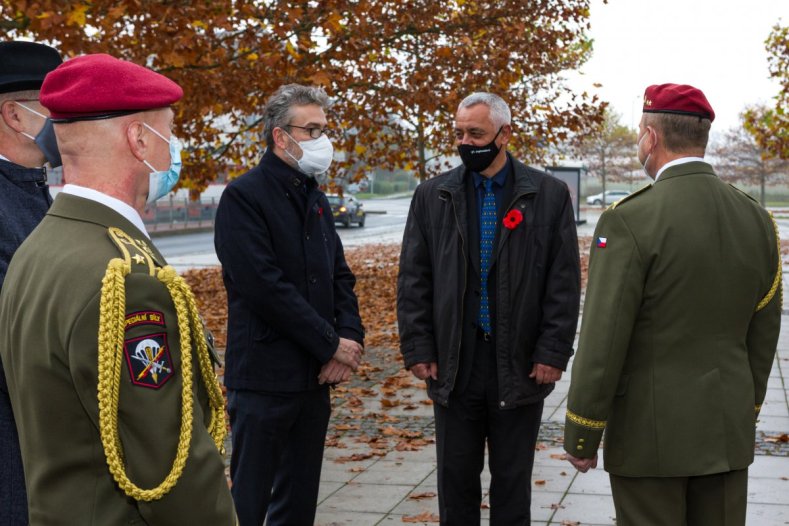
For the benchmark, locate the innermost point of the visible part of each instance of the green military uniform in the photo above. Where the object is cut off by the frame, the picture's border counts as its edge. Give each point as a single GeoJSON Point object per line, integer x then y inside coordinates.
{"type": "Point", "coordinates": [96, 380]}
{"type": "Point", "coordinates": [679, 331]}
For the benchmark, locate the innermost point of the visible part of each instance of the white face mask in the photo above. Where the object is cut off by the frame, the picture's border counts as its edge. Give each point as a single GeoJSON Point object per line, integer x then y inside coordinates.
{"type": "Point", "coordinates": [644, 164]}
{"type": "Point", "coordinates": [316, 155]}
{"type": "Point", "coordinates": [161, 182]}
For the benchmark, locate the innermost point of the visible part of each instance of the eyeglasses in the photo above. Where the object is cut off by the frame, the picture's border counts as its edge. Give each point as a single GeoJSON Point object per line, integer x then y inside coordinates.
{"type": "Point", "coordinates": [314, 133]}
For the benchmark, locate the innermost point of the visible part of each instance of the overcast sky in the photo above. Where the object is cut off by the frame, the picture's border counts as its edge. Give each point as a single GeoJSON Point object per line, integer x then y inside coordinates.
{"type": "Point", "coordinates": [715, 45]}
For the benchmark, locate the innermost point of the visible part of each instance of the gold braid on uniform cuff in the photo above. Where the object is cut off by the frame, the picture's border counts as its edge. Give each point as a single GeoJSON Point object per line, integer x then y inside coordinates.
{"type": "Point", "coordinates": [585, 422]}
{"type": "Point", "coordinates": [777, 281]}
{"type": "Point", "coordinates": [112, 319]}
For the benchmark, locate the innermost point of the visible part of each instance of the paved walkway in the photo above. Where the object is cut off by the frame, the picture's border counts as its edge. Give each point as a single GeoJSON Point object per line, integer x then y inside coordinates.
{"type": "Point", "coordinates": [366, 480]}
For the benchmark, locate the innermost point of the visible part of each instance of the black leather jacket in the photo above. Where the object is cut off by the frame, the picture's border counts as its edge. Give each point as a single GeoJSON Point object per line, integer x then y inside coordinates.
{"type": "Point", "coordinates": [538, 284]}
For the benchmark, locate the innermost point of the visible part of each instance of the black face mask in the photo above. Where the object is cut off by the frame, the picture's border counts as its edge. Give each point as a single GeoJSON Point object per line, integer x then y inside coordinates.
{"type": "Point", "coordinates": [477, 158]}
{"type": "Point", "coordinates": [48, 144]}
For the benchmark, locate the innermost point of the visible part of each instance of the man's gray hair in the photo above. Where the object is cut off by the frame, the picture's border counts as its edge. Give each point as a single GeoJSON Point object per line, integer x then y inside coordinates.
{"type": "Point", "coordinates": [499, 110]}
{"type": "Point", "coordinates": [277, 113]}
{"type": "Point", "coordinates": [29, 94]}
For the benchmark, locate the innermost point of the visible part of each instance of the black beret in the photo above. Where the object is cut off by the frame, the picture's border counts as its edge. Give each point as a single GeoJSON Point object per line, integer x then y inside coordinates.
{"type": "Point", "coordinates": [23, 65]}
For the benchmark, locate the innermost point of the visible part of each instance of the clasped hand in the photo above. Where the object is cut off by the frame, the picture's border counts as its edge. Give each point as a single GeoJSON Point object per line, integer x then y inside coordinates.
{"type": "Point", "coordinates": [346, 359]}
{"type": "Point", "coordinates": [582, 464]}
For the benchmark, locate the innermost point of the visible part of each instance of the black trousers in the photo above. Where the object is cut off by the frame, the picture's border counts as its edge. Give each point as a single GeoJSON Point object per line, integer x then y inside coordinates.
{"type": "Point", "coordinates": [277, 455]}
{"type": "Point", "coordinates": [13, 498]}
{"type": "Point", "coordinates": [707, 500]}
{"type": "Point", "coordinates": [472, 417]}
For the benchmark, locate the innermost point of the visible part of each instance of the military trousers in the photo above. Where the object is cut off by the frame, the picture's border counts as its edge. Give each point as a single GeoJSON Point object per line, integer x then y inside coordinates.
{"type": "Point", "coordinates": [277, 455]}
{"type": "Point", "coordinates": [472, 418]}
{"type": "Point", "coordinates": [707, 500]}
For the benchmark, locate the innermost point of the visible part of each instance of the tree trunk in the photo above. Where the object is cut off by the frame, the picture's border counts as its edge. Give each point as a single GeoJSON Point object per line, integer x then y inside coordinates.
{"type": "Point", "coordinates": [420, 146]}
{"type": "Point", "coordinates": [602, 176]}
{"type": "Point", "coordinates": [762, 198]}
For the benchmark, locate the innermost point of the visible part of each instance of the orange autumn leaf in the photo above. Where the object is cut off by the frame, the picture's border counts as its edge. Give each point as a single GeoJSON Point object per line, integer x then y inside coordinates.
{"type": "Point", "coordinates": [422, 517]}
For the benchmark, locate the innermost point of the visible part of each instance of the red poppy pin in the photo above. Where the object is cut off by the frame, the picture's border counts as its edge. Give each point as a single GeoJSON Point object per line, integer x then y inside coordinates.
{"type": "Point", "coordinates": [513, 219]}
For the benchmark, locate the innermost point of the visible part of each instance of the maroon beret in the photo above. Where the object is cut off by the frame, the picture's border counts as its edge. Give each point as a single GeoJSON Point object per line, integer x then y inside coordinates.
{"type": "Point", "coordinates": [677, 98]}
{"type": "Point", "coordinates": [100, 86]}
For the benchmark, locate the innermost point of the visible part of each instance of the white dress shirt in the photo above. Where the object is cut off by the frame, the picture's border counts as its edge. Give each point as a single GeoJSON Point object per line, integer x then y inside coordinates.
{"type": "Point", "coordinates": [675, 162]}
{"type": "Point", "coordinates": [115, 204]}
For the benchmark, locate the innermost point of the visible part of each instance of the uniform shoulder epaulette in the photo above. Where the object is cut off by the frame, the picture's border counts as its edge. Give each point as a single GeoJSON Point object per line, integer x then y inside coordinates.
{"type": "Point", "coordinates": [135, 252]}
{"type": "Point", "coordinates": [631, 196]}
{"type": "Point", "coordinates": [746, 194]}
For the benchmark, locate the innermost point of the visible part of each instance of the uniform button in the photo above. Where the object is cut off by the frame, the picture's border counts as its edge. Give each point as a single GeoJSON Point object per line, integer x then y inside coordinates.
{"type": "Point", "coordinates": [313, 280]}
{"type": "Point", "coordinates": [307, 237]}
{"type": "Point", "coordinates": [581, 440]}
{"type": "Point", "coordinates": [502, 403]}
{"type": "Point", "coordinates": [579, 447]}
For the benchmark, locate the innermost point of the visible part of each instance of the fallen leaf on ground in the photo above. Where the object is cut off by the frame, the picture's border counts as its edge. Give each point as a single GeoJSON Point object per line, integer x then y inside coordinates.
{"type": "Point", "coordinates": [422, 517]}
{"type": "Point", "coordinates": [539, 483]}
{"type": "Point", "coordinates": [421, 496]}
{"type": "Point", "coordinates": [356, 457]}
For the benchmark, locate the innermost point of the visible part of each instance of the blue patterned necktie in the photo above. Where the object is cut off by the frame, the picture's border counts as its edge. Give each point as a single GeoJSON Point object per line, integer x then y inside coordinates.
{"type": "Point", "coordinates": [487, 230]}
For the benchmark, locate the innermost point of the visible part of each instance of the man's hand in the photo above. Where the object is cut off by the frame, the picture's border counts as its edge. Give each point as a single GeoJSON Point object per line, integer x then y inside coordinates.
{"type": "Point", "coordinates": [545, 374]}
{"type": "Point", "coordinates": [349, 353]}
{"type": "Point", "coordinates": [582, 464]}
{"type": "Point", "coordinates": [334, 372]}
{"type": "Point", "coordinates": [425, 370]}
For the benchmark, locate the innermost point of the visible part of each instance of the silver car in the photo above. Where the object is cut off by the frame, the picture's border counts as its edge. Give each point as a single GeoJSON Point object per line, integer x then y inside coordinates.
{"type": "Point", "coordinates": [611, 196]}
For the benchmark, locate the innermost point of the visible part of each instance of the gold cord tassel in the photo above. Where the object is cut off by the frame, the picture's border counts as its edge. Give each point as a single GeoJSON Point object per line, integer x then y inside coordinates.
{"type": "Point", "coordinates": [111, 340]}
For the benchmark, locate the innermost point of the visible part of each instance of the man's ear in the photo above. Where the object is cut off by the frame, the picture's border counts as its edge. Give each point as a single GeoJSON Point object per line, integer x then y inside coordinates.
{"type": "Point", "coordinates": [280, 138]}
{"type": "Point", "coordinates": [137, 138]}
{"type": "Point", "coordinates": [10, 115]}
{"type": "Point", "coordinates": [506, 134]}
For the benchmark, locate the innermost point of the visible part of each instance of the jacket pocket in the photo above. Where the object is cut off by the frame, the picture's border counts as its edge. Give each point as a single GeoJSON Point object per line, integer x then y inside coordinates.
{"type": "Point", "coordinates": [262, 333]}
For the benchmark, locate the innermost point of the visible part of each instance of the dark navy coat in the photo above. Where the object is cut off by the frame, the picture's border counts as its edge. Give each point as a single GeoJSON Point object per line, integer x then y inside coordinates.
{"type": "Point", "coordinates": [289, 290]}
{"type": "Point", "coordinates": [24, 199]}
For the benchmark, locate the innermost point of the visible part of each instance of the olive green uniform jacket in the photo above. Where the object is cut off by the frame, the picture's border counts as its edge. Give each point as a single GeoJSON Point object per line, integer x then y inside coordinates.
{"type": "Point", "coordinates": [50, 305]}
{"type": "Point", "coordinates": [679, 330]}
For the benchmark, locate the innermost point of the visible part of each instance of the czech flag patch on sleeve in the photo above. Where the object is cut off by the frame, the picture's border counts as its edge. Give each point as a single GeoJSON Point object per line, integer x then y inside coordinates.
{"type": "Point", "coordinates": [149, 361]}
{"type": "Point", "coordinates": [602, 242]}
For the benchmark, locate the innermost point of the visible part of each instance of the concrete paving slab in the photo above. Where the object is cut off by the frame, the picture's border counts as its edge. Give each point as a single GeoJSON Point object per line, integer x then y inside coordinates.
{"type": "Point", "coordinates": [585, 509]}
{"type": "Point", "coordinates": [368, 498]}
{"type": "Point", "coordinates": [768, 491]}
{"type": "Point", "coordinates": [347, 518]}
{"type": "Point", "coordinates": [394, 472]}
{"type": "Point", "coordinates": [767, 515]}
{"type": "Point", "coordinates": [544, 504]}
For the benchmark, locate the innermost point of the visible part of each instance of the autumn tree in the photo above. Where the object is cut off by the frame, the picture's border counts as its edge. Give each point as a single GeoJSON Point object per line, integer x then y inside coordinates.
{"type": "Point", "coordinates": [609, 151]}
{"type": "Point", "coordinates": [770, 126]}
{"type": "Point", "coordinates": [740, 159]}
{"type": "Point", "coordinates": [395, 70]}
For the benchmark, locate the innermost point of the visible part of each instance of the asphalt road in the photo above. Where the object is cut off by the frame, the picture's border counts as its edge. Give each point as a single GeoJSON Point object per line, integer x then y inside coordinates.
{"type": "Point", "coordinates": [384, 224]}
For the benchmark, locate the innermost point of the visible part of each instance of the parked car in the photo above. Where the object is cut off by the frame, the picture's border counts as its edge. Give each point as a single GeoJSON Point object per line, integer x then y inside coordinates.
{"type": "Point", "coordinates": [611, 196]}
{"type": "Point", "coordinates": [346, 210]}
